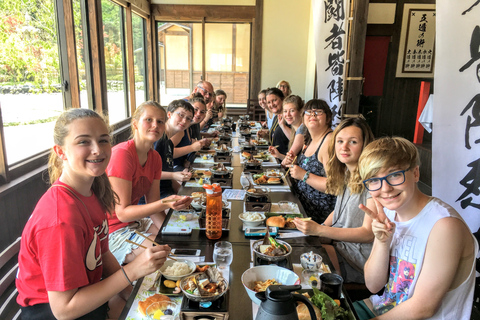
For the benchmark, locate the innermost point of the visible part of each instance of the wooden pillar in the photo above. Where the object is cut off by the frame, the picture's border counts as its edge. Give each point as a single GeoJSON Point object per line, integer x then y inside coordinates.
{"type": "Point", "coordinates": [356, 49]}
{"type": "Point", "coordinates": [97, 50]}
{"type": "Point", "coordinates": [204, 76]}
{"type": "Point", "coordinates": [150, 61]}
{"type": "Point", "coordinates": [71, 87]}
{"type": "Point", "coordinates": [256, 51]}
{"type": "Point", "coordinates": [130, 61]}
{"type": "Point", "coordinates": [3, 153]}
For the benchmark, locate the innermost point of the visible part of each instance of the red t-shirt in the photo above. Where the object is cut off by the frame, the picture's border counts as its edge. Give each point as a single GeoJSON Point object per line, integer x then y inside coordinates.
{"type": "Point", "coordinates": [62, 246]}
{"type": "Point", "coordinates": [124, 164]}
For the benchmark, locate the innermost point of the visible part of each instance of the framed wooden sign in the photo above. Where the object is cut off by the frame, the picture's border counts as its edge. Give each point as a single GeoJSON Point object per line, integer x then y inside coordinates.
{"type": "Point", "coordinates": [416, 55]}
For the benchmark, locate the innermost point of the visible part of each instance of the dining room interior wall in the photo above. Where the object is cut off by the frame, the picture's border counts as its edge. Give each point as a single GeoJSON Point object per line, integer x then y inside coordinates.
{"type": "Point", "coordinates": [285, 43]}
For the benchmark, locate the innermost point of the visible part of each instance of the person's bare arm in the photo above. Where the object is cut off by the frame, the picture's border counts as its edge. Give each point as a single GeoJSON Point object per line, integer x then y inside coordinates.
{"type": "Point", "coordinates": [449, 244]}
{"type": "Point", "coordinates": [286, 130]}
{"type": "Point", "coordinates": [322, 154]}
{"type": "Point", "coordinates": [297, 144]}
{"type": "Point", "coordinates": [127, 212]}
{"type": "Point", "coordinates": [317, 182]}
{"type": "Point", "coordinates": [376, 268]}
{"type": "Point", "coordinates": [361, 234]}
{"type": "Point", "coordinates": [74, 303]}
{"type": "Point", "coordinates": [194, 147]}
{"type": "Point", "coordinates": [176, 175]}
{"type": "Point", "coordinates": [110, 266]}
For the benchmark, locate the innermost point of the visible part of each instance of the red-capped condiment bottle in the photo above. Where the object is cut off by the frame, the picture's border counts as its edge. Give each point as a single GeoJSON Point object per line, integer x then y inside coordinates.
{"type": "Point", "coordinates": [213, 225]}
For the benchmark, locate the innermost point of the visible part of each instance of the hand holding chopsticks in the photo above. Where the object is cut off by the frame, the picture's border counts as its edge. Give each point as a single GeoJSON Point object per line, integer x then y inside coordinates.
{"type": "Point", "coordinates": [293, 163]}
{"type": "Point", "coordinates": [147, 238]}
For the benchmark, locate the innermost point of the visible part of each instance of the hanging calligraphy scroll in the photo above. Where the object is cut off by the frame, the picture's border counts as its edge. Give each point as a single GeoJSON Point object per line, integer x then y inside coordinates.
{"type": "Point", "coordinates": [417, 41]}
{"type": "Point", "coordinates": [330, 27]}
{"type": "Point", "coordinates": [456, 117]}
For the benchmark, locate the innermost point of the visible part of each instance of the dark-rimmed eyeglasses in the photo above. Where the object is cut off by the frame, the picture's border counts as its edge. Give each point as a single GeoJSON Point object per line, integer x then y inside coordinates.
{"type": "Point", "coordinates": [314, 113]}
{"type": "Point", "coordinates": [205, 92]}
{"type": "Point", "coordinates": [394, 179]}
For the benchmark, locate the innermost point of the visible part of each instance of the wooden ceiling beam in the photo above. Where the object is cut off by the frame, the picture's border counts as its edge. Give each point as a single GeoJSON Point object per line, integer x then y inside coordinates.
{"type": "Point", "coordinates": [173, 12]}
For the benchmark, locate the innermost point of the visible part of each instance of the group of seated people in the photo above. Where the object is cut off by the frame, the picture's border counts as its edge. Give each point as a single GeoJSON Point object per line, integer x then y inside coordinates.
{"type": "Point", "coordinates": [361, 193]}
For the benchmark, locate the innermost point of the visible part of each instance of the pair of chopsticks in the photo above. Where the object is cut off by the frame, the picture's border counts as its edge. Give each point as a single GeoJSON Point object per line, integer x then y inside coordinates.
{"type": "Point", "coordinates": [142, 246]}
{"type": "Point", "coordinates": [306, 219]}
{"type": "Point", "coordinates": [293, 162]}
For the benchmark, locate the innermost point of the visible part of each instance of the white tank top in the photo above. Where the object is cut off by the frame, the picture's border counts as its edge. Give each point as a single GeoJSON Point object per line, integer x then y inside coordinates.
{"type": "Point", "coordinates": [407, 252]}
{"type": "Point", "coordinates": [270, 120]}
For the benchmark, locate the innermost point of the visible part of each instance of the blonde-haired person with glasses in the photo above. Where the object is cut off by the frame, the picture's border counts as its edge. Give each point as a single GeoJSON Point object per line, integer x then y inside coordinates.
{"type": "Point", "coordinates": [285, 87]}
{"type": "Point", "coordinates": [423, 253]}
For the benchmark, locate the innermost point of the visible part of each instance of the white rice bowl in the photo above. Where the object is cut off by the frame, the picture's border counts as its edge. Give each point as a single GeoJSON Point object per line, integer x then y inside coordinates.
{"type": "Point", "coordinates": [176, 270]}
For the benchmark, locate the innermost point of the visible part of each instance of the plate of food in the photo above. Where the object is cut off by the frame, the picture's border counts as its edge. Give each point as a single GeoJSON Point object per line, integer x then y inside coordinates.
{"type": "Point", "coordinates": [220, 169]}
{"type": "Point", "coordinates": [200, 173]}
{"type": "Point", "coordinates": [270, 249]}
{"type": "Point", "coordinates": [144, 304]}
{"type": "Point", "coordinates": [282, 221]}
{"type": "Point", "coordinates": [204, 286]}
{"type": "Point", "coordinates": [262, 179]}
{"type": "Point", "coordinates": [262, 156]}
{"type": "Point", "coordinates": [260, 142]}
{"type": "Point", "coordinates": [273, 173]}
{"type": "Point", "coordinates": [223, 148]}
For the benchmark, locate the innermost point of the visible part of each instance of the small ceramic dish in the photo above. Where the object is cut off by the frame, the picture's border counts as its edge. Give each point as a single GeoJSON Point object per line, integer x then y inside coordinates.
{"type": "Point", "coordinates": [246, 217]}
{"type": "Point", "coordinates": [311, 261]}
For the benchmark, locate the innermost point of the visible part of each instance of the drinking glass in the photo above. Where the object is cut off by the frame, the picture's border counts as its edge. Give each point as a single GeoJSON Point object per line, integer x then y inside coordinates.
{"type": "Point", "coordinates": [244, 181]}
{"type": "Point", "coordinates": [223, 254]}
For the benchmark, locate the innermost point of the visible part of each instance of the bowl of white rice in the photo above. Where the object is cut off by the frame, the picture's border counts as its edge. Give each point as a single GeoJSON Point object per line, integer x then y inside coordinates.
{"type": "Point", "coordinates": [176, 270]}
{"type": "Point", "coordinates": [252, 219]}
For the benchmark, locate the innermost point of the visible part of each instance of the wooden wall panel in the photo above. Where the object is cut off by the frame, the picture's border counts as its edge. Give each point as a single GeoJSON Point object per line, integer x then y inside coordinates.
{"type": "Point", "coordinates": [16, 205]}
{"type": "Point", "coordinates": [396, 114]}
{"type": "Point", "coordinates": [241, 85]}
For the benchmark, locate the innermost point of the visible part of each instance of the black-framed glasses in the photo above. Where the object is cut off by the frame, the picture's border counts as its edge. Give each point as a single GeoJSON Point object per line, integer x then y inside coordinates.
{"type": "Point", "coordinates": [394, 179]}
{"type": "Point", "coordinates": [183, 116]}
{"type": "Point", "coordinates": [314, 113]}
{"type": "Point", "coordinates": [205, 91]}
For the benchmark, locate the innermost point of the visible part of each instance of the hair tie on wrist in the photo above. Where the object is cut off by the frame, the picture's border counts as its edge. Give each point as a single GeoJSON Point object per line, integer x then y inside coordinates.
{"type": "Point", "coordinates": [126, 277]}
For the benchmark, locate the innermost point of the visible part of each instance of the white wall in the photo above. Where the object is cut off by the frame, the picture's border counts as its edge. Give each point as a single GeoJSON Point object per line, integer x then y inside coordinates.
{"type": "Point", "coordinates": [285, 44]}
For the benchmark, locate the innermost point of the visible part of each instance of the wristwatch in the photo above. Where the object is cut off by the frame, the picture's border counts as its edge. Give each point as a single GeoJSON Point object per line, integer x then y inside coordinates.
{"type": "Point", "coordinates": [305, 177]}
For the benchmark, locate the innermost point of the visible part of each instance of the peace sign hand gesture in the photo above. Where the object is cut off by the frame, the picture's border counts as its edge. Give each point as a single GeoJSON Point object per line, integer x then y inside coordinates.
{"type": "Point", "coordinates": [382, 227]}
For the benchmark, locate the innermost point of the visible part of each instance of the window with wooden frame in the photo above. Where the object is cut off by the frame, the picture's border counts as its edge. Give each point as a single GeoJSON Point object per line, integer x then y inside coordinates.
{"type": "Point", "coordinates": [54, 53]}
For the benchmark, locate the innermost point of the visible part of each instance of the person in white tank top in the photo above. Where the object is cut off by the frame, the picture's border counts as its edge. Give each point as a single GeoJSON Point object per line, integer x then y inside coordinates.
{"type": "Point", "coordinates": [423, 252]}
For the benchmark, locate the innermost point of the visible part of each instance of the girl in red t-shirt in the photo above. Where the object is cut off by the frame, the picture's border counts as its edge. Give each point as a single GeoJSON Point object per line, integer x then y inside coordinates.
{"type": "Point", "coordinates": [135, 172]}
{"type": "Point", "coordinates": [65, 266]}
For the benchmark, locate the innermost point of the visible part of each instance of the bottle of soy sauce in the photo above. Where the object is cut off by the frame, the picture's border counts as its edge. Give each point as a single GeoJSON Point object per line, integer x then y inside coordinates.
{"type": "Point", "coordinates": [213, 221]}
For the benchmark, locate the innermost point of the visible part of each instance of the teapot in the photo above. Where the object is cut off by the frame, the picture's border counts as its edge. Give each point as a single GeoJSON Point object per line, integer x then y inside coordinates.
{"type": "Point", "coordinates": [278, 303]}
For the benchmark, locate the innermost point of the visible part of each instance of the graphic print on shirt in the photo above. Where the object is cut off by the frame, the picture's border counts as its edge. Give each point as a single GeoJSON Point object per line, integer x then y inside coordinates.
{"type": "Point", "coordinates": [93, 258]}
{"type": "Point", "coordinates": [102, 230]}
{"type": "Point", "coordinates": [401, 276]}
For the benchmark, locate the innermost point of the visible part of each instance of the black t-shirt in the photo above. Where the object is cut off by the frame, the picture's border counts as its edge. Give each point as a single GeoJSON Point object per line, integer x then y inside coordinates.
{"type": "Point", "coordinates": [164, 147]}
{"type": "Point", "coordinates": [281, 140]}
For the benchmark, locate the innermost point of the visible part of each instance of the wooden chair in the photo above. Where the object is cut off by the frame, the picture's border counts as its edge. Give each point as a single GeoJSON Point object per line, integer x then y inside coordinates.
{"type": "Point", "coordinates": [9, 309]}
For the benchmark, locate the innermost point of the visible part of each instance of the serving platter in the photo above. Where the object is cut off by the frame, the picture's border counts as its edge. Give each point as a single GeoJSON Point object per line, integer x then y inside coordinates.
{"type": "Point", "coordinates": [255, 177]}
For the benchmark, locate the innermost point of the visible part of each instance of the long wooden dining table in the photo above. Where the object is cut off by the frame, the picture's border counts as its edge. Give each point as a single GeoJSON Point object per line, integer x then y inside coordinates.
{"type": "Point", "coordinates": [239, 302]}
